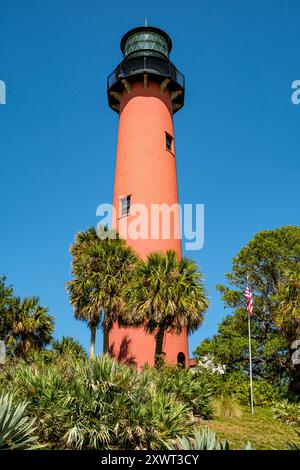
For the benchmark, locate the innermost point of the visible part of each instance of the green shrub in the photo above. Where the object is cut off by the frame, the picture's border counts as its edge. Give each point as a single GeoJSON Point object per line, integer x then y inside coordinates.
{"type": "Point", "coordinates": [99, 404]}
{"type": "Point", "coordinates": [44, 387]}
{"type": "Point", "coordinates": [190, 387]}
{"type": "Point", "coordinates": [162, 419]}
{"type": "Point", "coordinates": [134, 412]}
{"type": "Point", "coordinates": [237, 385]}
{"type": "Point", "coordinates": [287, 412]}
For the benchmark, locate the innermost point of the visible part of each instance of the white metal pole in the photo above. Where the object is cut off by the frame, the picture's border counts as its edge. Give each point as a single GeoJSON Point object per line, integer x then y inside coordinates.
{"type": "Point", "coordinates": [250, 364]}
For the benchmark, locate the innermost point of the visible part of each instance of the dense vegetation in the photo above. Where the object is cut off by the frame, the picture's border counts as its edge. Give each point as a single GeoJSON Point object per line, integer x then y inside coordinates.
{"type": "Point", "coordinates": [52, 395]}
{"type": "Point", "coordinates": [82, 404]}
{"type": "Point", "coordinates": [271, 262]}
{"type": "Point", "coordinates": [63, 401]}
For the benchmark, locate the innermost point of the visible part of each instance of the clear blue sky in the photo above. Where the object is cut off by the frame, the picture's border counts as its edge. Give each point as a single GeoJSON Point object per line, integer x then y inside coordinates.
{"type": "Point", "coordinates": [237, 138]}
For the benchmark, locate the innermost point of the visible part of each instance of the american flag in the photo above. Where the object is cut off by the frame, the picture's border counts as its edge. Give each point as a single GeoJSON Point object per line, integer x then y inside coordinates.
{"type": "Point", "coordinates": [248, 296]}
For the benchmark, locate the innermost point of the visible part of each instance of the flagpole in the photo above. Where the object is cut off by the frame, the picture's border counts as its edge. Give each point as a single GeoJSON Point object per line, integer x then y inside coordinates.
{"type": "Point", "coordinates": [248, 296]}
{"type": "Point", "coordinates": [250, 363]}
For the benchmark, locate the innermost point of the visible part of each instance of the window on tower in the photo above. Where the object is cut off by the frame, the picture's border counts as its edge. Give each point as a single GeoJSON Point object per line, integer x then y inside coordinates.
{"type": "Point", "coordinates": [125, 205]}
{"type": "Point", "coordinates": [169, 142]}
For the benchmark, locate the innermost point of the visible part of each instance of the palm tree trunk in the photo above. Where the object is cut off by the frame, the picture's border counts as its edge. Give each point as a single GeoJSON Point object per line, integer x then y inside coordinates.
{"type": "Point", "coordinates": [105, 338]}
{"type": "Point", "coordinates": [93, 341]}
{"type": "Point", "coordinates": [159, 339]}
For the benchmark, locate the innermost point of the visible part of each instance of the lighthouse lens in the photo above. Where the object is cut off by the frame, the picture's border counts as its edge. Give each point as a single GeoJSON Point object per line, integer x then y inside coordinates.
{"type": "Point", "coordinates": [146, 43]}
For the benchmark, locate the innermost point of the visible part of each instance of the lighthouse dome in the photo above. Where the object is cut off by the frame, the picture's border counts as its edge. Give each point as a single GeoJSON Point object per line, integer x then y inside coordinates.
{"type": "Point", "coordinates": [146, 40]}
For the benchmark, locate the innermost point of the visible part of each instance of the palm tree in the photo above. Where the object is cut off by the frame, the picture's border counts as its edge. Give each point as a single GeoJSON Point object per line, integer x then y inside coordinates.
{"type": "Point", "coordinates": [68, 346]}
{"type": "Point", "coordinates": [101, 267]}
{"type": "Point", "coordinates": [32, 326]}
{"type": "Point", "coordinates": [166, 294]}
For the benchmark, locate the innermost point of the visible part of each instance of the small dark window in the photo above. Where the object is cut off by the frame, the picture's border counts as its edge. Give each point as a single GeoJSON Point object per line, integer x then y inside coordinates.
{"type": "Point", "coordinates": [169, 142]}
{"type": "Point", "coordinates": [125, 205]}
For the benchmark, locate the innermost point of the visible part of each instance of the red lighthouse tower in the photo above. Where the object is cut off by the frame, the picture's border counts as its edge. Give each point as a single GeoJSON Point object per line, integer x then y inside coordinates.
{"type": "Point", "coordinates": [146, 90]}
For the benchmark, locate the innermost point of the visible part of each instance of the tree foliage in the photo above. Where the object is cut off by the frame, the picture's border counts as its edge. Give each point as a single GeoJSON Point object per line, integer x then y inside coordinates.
{"type": "Point", "coordinates": [100, 268]}
{"type": "Point", "coordinates": [68, 347]}
{"type": "Point", "coordinates": [166, 294]}
{"type": "Point", "coordinates": [287, 310]}
{"type": "Point", "coordinates": [32, 326]}
{"type": "Point", "coordinates": [25, 325]}
{"type": "Point", "coordinates": [6, 312]}
{"type": "Point", "coordinates": [270, 262]}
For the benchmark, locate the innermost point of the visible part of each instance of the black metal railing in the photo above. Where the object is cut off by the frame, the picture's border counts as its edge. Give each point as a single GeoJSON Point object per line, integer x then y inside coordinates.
{"type": "Point", "coordinates": [146, 64]}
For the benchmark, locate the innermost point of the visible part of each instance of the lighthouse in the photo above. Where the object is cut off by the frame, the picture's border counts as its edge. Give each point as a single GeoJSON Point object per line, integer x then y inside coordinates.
{"type": "Point", "coordinates": [146, 90]}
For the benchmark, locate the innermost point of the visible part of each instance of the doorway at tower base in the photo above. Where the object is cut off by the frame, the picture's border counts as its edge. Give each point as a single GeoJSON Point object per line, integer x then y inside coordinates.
{"type": "Point", "coordinates": [134, 346]}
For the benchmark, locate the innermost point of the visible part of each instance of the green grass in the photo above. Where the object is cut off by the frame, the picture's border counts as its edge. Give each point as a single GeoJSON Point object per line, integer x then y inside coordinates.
{"type": "Point", "coordinates": [262, 430]}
